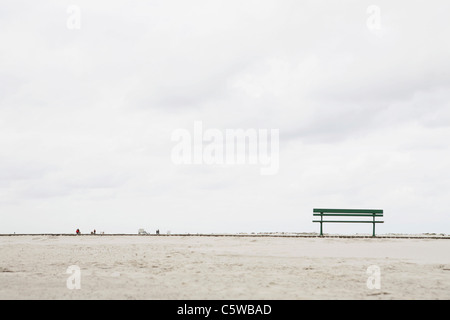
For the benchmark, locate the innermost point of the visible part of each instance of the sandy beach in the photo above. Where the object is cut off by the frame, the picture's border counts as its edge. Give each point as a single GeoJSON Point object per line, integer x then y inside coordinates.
{"type": "Point", "coordinates": [192, 267]}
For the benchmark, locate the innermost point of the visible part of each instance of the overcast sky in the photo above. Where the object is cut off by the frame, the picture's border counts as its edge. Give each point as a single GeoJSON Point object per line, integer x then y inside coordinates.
{"type": "Point", "coordinates": [92, 91]}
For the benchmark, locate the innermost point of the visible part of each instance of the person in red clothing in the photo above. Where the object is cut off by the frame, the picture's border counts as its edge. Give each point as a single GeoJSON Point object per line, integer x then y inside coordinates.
{"type": "Point", "coordinates": [78, 231]}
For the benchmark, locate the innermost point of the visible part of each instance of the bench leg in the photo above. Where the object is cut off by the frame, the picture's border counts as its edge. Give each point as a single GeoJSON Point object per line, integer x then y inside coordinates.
{"type": "Point", "coordinates": [321, 219]}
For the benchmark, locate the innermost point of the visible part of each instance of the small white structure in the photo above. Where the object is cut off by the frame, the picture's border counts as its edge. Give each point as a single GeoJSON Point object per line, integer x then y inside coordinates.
{"type": "Point", "coordinates": [142, 231]}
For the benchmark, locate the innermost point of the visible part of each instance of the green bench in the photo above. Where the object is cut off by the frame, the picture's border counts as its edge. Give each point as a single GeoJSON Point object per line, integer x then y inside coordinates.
{"type": "Point", "coordinates": [364, 213]}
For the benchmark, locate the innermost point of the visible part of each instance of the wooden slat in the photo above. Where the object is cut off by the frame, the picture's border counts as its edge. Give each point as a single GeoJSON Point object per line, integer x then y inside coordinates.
{"type": "Point", "coordinates": [339, 221]}
{"type": "Point", "coordinates": [348, 210]}
{"type": "Point", "coordinates": [348, 214]}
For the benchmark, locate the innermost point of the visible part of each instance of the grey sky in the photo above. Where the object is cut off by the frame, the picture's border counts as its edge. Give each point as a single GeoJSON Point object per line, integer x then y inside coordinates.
{"type": "Point", "coordinates": [86, 115]}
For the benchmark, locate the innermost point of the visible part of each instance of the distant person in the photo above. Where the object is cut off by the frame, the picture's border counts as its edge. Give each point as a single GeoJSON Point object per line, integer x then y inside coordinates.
{"type": "Point", "coordinates": [95, 231]}
{"type": "Point", "coordinates": [78, 231]}
{"type": "Point", "coordinates": [157, 231]}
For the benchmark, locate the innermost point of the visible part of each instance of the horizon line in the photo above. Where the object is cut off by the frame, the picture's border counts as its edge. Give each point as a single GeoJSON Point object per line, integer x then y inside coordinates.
{"type": "Point", "coordinates": [262, 234]}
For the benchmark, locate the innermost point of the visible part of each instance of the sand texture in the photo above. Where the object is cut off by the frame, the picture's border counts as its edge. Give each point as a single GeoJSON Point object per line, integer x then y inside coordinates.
{"type": "Point", "coordinates": [190, 267]}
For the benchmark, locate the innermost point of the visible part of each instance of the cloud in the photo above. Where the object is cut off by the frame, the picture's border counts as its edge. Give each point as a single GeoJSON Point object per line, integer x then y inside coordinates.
{"type": "Point", "coordinates": [86, 115]}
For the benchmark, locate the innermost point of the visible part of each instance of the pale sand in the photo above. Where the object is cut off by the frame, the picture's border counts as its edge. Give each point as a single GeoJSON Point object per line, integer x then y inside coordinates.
{"type": "Point", "coordinates": [189, 267]}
